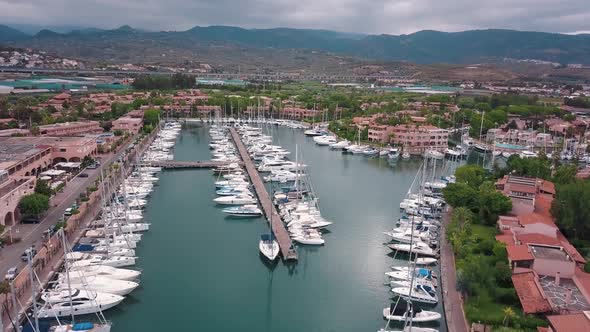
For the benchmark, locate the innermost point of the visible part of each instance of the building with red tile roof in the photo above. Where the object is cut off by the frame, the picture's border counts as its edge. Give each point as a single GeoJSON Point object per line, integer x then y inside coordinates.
{"type": "Point", "coordinates": [578, 322]}
{"type": "Point", "coordinates": [530, 293]}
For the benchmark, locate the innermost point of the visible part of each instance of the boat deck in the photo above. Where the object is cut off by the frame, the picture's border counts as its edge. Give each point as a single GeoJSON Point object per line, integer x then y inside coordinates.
{"type": "Point", "coordinates": [281, 235]}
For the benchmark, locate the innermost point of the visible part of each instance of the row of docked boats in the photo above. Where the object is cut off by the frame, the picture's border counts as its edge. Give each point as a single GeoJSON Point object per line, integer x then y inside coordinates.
{"type": "Point", "coordinates": [233, 188]}
{"type": "Point", "coordinates": [415, 237]}
{"type": "Point", "coordinates": [98, 271]}
{"type": "Point", "coordinates": [295, 199]}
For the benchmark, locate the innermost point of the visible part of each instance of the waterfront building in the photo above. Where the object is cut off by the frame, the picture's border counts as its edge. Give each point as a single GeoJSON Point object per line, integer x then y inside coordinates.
{"type": "Point", "coordinates": [417, 139]}
{"type": "Point", "coordinates": [547, 271]}
{"type": "Point", "coordinates": [71, 128]}
{"type": "Point", "coordinates": [12, 189]}
{"type": "Point", "coordinates": [127, 124]}
{"type": "Point", "coordinates": [297, 113]}
{"type": "Point", "coordinates": [380, 133]}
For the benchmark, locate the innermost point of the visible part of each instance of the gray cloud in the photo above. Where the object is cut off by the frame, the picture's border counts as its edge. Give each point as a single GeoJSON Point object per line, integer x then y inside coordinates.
{"type": "Point", "coordinates": [366, 16]}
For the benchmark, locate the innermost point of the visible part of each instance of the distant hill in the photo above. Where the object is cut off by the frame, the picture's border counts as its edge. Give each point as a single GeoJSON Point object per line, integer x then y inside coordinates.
{"type": "Point", "coordinates": [10, 34]}
{"type": "Point", "coordinates": [425, 47]}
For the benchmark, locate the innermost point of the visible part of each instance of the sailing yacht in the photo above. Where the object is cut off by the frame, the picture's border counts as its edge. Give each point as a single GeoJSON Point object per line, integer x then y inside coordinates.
{"type": "Point", "coordinates": [407, 311]}
{"type": "Point", "coordinates": [418, 293]}
{"type": "Point", "coordinates": [268, 246]}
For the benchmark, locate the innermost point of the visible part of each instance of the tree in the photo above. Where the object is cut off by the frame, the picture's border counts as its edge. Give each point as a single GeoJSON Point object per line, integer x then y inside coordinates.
{"type": "Point", "coordinates": [33, 204]}
{"type": "Point", "coordinates": [43, 188]}
{"type": "Point", "coordinates": [151, 117]}
{"type": "Point", "coordinates": [460, 194]}
{"type": "Point", "coordinates": [508, 315]}
{"type": "Point", "coordinates": [492, 203]}
{"type": "Point", "coordinates": [565, 174]}
{"type": "Point", "coordinates": [473, 175]}
{"type": "Point", "coordinates": [571, 209]}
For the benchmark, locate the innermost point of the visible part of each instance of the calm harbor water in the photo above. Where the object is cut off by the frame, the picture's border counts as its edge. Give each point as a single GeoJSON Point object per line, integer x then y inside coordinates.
{"type": "Point", "coordinates": [202, 270]}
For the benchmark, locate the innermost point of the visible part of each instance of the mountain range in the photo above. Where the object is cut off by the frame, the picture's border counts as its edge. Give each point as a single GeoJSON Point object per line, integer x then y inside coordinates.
{"type": "Point", "coordinates": [424, 47]}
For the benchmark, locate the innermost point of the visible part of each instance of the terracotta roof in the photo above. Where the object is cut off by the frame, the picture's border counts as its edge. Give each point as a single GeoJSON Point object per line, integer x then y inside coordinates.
{"type": "Point", "coordinates": [519, 253]}
{"type": "Point", "coordinates": [535, 238]}
{"type": "Point", "coordinates": [62, 96]}
{"type": "Point", "coordinates": [521, 188]}
{"type": "Point", "coordinates": [569, 323]}
{"type": "Point", "coordinates": [529, 293]}
{"type": "Point", "coordinates": [534, 218]}
{"type": "Point", "coordinates": [548, 186]}
{"type": "Point", "coordinates": [582, 279]}
{"type": "Point", "coordinates": [505, 238]}
{"type": "Point", "coordinates": [570, 249]}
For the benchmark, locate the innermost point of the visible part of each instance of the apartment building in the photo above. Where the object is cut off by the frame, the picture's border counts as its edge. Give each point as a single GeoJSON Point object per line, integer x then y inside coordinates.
{"type": "Point", "coordinates": [71, 128]}
{"type": "Point", "coordinates": [418, 139]}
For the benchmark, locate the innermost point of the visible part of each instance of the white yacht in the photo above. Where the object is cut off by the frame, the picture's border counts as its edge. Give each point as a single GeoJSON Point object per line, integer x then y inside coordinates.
{"type": "Point", "coordinates": [57, 303]}
{"type": "Point", "coordinates": [104, 271]}
{"type": "Point", "coordinates": [419, 248]}
{"type": "Point", "coordinates": [268, 246]}
{"type": "Point", "coordinates": [340, 145]}
{"type": "Point", "coordinates": [419, 293]}
{"type": "Point", "coordinates": [325, 140]}
{"type": "Point", "coordinates": [240, 199]}
{"type": "Point", "coordinates": [81, 259]}
{"type": "Point", "coordinates": [98, 284]}
{"type": "Point", "coordinates": [406, 311]}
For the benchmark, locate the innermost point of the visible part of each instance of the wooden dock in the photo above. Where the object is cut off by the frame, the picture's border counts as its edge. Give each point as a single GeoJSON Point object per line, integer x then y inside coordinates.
{"type": "Point", "coordinates": [174, 164]}
{"type": "Point", "coordinates": [280, 232]}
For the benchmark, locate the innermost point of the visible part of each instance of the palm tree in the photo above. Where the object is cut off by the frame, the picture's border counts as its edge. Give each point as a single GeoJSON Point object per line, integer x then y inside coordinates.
{"type": "Point", "coordinates": [508, 314]}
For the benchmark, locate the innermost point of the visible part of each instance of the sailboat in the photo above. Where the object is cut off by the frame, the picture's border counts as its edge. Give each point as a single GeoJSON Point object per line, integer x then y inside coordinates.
{"type": "Point", "coordinates": [406, 311]}
{"type": "Point", "coordinates": [268, 246]}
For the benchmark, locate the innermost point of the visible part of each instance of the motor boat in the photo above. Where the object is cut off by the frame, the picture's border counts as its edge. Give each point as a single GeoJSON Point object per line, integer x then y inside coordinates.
{"type": "Point", "coordinates": [268, 246]}
{"type": "Point", "coordinates": [82, 259]}
{"type": "Point", "coordinates": [434, 154]}
{"type": "Point", "coordinates": [105, 271]}
{"type": "Point", "coordinates": [371, 152]}
{"type": "Point", "coordinates": [249, 210]}
{"type": "Point", "coordinates": [81, 302]}
{"type": "Point", "coordinates": [325, 140]}
{"type": "Point", "coordinates": [393, 154]}
{"type": "Point", "coordinates": [98, 284]}
{"type": "Point", "coordinates": [340, 145]}
{"type": "Point", "coordinates": [406, 155]}
{"type": "Point", "coordinates": [241, 199]}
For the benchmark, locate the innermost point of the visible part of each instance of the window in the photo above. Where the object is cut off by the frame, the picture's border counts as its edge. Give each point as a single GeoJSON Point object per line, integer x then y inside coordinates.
{"type": "Point", "coordinates": [62, 150]}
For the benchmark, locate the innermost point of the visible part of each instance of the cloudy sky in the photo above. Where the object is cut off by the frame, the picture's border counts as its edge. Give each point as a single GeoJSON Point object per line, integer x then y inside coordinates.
{"type": "Point", "coordinates": [364, 16]}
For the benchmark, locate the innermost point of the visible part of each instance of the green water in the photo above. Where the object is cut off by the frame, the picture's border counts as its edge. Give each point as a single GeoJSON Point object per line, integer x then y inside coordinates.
{"type": "Point", "coordinates": [202, 271]}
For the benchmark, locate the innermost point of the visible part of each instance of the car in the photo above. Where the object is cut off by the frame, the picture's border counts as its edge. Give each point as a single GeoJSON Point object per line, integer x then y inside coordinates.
{"type": "Point", "coordinates": [25, 256]}
{"type": "Point", "coordinates": [92, 166]}
{"type": "Point", "coordinates": [11, 273]}
{"type": "Point", "coordinates": [30, 220]}
{"type": "Point", "coordinates": [68, 212]}
{"type": "Point", "coordinates": [83, 175]}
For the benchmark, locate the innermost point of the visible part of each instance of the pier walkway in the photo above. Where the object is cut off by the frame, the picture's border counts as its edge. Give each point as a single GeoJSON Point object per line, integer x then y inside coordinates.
{"type": "Point", "coordinates": [453, 303]}
{"type": "Point", "coordinates": [175, 164]}
{"type": "Point", "coordinates": [280, 232]}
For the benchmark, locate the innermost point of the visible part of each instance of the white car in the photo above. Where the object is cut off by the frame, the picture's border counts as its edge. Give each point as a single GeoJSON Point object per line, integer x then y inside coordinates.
{"type": "Point", "coordinates": [11, 273]}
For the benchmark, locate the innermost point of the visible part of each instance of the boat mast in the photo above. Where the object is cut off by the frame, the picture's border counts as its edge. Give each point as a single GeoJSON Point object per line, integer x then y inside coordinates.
{"type": "Point", "coordinates": [33, 288]}
{"type": "Point", "coordinates": [67, 268]}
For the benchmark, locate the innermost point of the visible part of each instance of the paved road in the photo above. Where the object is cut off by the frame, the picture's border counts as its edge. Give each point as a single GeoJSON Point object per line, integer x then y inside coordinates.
{"type": "Point", "coordinates": [33, 233]}
{"type": "Point", "coordinates": [453, 303]}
